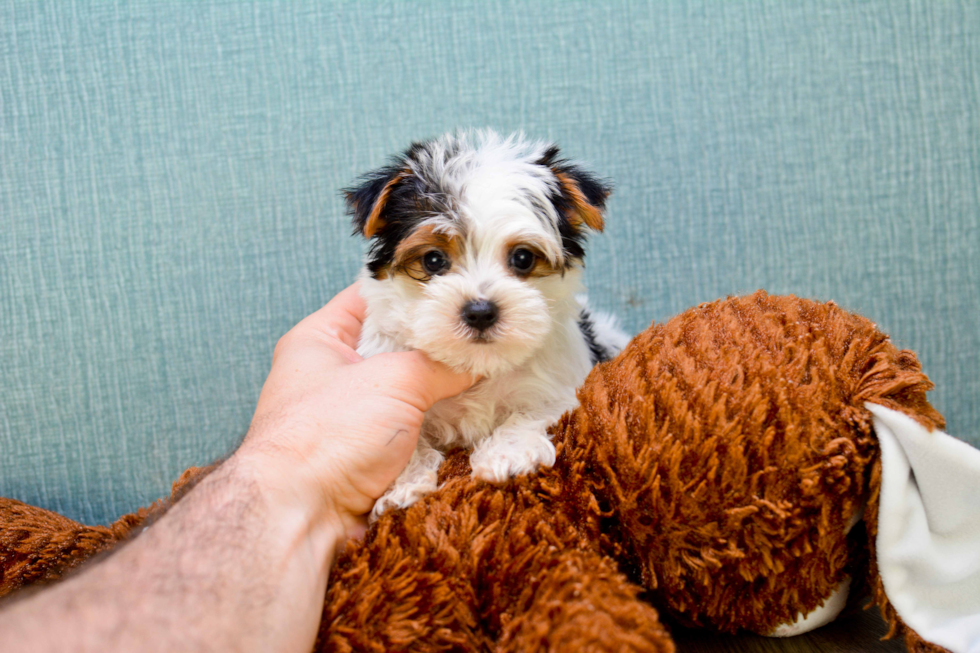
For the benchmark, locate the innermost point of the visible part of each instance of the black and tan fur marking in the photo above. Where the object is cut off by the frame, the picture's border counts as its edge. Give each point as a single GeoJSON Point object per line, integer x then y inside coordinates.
{"type": "Point", "coordinates": [388, 206]}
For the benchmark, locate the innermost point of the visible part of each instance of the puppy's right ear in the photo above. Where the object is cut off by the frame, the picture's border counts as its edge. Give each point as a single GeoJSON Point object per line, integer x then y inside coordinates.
{"type": "Point", "coordinates": [366, 201]}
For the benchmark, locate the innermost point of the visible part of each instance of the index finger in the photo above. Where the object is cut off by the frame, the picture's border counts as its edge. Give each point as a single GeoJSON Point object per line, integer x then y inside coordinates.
{"type": "Point", "coordinates": [341, 318]}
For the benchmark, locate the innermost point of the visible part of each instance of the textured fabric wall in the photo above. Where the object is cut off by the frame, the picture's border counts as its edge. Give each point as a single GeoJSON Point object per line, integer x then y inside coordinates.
{"type": "Point", "coordinates": [169, 176]}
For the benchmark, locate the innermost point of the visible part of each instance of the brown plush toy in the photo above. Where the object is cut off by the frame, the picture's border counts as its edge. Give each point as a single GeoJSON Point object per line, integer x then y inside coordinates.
{"type": "Point", "coordinates": [712, 472]}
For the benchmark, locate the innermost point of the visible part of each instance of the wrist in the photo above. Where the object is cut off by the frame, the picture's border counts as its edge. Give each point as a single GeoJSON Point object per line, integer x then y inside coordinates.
{"type": "Point", "coordinates": [295, 505]}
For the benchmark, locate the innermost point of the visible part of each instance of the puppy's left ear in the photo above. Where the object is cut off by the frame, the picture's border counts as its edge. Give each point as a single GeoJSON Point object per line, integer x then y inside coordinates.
{"type": "Point", "coordinates": [582, 199]}
{"type": "Point", "coordinates": [366, 201]}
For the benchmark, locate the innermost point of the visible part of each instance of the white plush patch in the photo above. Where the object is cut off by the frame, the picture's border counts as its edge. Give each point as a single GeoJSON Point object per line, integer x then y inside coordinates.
{"type": "Point", "coordinates": [827, 611]}
{"type": "Point", "coordinates": [928, 542]}
{"type": "Point", "coordinates": [821, 616]}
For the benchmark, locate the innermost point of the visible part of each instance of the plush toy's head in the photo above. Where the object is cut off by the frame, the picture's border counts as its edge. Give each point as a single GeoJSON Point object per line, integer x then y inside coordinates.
{"type": "Point", "coordinates": [735, 456]}
{"type": "Point", "coordinates": [719, 468]}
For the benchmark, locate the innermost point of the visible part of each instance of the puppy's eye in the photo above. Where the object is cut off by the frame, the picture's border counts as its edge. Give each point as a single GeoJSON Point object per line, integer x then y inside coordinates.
{"type": "Point", "coordinates": [522, 260]}
{"type": "Point", "coordinates": [435, 262]}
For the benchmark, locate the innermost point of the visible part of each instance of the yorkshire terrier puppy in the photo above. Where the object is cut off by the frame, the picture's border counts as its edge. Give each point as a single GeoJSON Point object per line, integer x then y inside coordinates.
{"type": "Point", "coordinates": [475, 259]}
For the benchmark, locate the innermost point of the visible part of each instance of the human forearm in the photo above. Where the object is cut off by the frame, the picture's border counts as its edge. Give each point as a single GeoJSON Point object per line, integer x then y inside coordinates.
{"type": "Point", "coordinates": [233, 566]}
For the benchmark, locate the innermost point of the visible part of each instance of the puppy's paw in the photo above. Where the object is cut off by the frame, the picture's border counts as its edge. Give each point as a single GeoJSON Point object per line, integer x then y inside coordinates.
{"type": "Point", "coordinates": [513, 449]}
{"type": "Point", "coordinates": [404, 494]}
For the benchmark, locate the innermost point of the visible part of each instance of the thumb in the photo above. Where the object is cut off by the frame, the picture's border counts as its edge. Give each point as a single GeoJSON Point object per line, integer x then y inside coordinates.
{"type": "Point", "coordinates": [415, 378]}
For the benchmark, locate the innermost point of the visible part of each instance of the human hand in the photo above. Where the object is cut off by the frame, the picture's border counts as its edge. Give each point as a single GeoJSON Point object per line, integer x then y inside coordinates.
{"type": "Point", "coordinates": [332, 430]}
{"type": "Point", "coordinates": [330, 433]}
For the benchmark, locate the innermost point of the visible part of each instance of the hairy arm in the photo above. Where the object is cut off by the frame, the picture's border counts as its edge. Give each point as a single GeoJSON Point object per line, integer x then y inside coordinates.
{"type": "Point", "coordinates": [241, 563]}
{"type": "Point", "coordinates": [226, 569]}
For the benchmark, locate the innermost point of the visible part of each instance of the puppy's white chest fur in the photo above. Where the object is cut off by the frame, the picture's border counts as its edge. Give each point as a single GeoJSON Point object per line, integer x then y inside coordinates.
{"type": "Point", "coordinates": [475, 260]}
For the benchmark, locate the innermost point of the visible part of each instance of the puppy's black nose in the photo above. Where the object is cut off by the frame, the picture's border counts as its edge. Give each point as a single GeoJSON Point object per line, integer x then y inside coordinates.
{"type": "Point", "coordinates": [480, 314]}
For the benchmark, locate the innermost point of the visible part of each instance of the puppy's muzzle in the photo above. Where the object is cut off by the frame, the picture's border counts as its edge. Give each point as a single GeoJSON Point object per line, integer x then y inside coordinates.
{"type": "Point", "coordinates": [481, 314]}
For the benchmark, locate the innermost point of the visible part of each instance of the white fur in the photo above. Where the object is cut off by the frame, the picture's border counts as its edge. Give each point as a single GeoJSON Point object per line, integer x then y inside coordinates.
{"type": "Point", "coordinates": [531, 361]}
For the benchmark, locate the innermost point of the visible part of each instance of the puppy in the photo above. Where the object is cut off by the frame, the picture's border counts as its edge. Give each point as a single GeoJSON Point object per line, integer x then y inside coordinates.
{"type": "Point", "coordinates": [475, 259]}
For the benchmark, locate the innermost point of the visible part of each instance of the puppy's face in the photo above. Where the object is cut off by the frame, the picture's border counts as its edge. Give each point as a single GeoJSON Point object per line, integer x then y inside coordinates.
{"type": "Point", "coordinates": [476, 246]}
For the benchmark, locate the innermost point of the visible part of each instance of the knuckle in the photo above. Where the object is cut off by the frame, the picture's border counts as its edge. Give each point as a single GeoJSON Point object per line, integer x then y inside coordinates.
{"type": "Point", "coordinates": [286, 342]}
{"type": "Point", "coordinates": [333, 333]}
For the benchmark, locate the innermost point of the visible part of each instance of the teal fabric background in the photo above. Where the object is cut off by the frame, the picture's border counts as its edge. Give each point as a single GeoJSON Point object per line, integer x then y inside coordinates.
{"type": "Point", "coordinates": [169, 176]}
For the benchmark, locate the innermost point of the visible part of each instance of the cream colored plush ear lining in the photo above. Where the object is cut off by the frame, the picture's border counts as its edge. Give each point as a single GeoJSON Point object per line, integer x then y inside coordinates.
{"type": "Point", "coordinates": [928, 543]}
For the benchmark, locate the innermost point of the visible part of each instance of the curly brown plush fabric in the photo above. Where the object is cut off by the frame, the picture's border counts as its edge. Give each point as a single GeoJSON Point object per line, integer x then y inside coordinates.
{"type": "Point", "coordinates": [710, 472]}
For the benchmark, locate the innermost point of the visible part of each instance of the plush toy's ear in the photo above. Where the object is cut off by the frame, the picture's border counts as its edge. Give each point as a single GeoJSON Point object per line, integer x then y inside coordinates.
{"type": "Point", "coordinates": [582, 199]}
{"type": "Point", "coordinates": [925, 528]}
{"type": "Point", "coordinates": [366, 201]}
